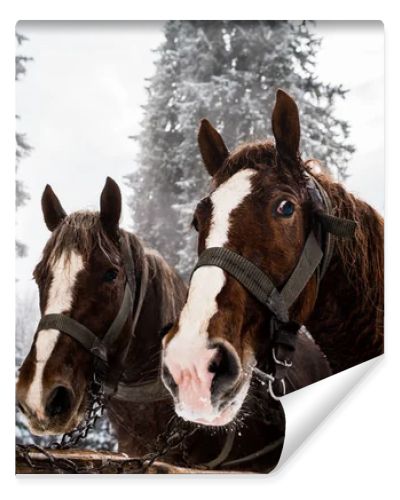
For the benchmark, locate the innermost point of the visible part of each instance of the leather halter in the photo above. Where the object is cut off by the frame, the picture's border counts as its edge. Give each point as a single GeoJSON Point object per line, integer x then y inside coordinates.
{"type": "Point", "coordinates": [100, 348]}
{"type": "Point", "coordinates": [314, 259]}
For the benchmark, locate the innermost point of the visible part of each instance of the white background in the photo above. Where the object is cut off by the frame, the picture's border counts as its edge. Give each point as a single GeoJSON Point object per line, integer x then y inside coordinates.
{"type": "Point", "coordinates": [355, 453]}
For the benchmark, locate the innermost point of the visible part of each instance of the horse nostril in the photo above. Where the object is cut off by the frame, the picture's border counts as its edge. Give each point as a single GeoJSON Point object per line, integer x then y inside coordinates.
{"type": "Point", "coordinates": [225, 367]}
{"type": "Point", "coordinates": [59, 401]}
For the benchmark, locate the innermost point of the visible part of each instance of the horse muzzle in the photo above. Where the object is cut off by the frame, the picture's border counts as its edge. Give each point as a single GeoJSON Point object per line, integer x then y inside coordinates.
{"type": "Point", "coordinates": [208, 389]}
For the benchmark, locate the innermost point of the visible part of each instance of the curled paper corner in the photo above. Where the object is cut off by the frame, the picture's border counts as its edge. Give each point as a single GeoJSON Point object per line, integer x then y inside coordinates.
{"type": "Point", "coordinates": [307, 408]}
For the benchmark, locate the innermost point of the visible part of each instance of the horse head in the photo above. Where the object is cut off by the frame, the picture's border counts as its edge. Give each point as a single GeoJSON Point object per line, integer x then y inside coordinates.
{"type": "Point", "coordinates": [258, 207]}
{"type": "Point", "coordinates": [79, 276]}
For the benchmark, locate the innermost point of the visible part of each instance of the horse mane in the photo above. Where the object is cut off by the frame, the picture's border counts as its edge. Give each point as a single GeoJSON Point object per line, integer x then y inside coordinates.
{"type": "Point", "coordinates": [362, 256]}
{"type": "Point", "coordinates": [173, 291]}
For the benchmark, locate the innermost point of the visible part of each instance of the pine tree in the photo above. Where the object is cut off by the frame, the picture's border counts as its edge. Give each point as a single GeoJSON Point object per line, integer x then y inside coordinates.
{"type": "Point", "coordinates": [22, 146]}
{"type": "Point", "coordinates": [25, 312]}
{"type": "Point", "coordinates": [227, 71]}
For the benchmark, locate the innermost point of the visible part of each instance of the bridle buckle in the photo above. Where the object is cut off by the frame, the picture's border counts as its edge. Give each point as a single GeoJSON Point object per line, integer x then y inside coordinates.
{"type": "Point", "coordinates": [284, 362]}
{"type": "Point", "coordinates": [271, 388]}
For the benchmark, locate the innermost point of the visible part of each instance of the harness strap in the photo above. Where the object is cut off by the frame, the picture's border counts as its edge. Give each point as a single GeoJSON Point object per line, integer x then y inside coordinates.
{"type": "Point", "coordinates": [120, 319]}
{"type": "Point", "coordinates": [306, 266]}
{"type": "Point", "coordinates": [101, 348]}
{"type": "Point", "coordinates": [284, 334]}
{"type": "Point", "coordinates": [128, 262]}
{"type": "Point", "coordinates": [225, 451]}
{"type": "Point", "coordinates": [327, 223]}
{"type": "Point", "coordinates": [257, 454]}
{"type": "Point", "coordinates": [338, 226]}
{"type": "Point", "coordinates": [284, 338]}
{"type": "Point", "coordinates": [96, 346]}
{"type": "Point", "coordinates": [113, 387]}
{"type": "Point", "coordinates": [77, 331]}
{"type": "Point", "coordinates": [248, 274]}
{"type": "Point", "coordinates": [258, 283]}
{"type": "Point", "coordinates": [140, 392]}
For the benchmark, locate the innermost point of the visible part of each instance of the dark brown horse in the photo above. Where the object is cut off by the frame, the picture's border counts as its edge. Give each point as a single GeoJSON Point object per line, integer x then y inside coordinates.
{"type": "Point", "coordinates": [260, 207]}
{"type": "Point", "coordinates": [81, 275]}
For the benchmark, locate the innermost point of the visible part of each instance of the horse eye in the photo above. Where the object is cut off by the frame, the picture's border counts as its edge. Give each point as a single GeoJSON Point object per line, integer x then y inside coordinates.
{"type": "Point", "coordinates": [110, 275]}
{"type": "Point", "coordinates": [285, 208]}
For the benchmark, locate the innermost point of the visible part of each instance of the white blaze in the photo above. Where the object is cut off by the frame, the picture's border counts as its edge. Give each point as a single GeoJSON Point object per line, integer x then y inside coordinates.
{"type": "Point", "coordinates": [64, 272]}
{"type": "Point", "coordinates": [190, 341]}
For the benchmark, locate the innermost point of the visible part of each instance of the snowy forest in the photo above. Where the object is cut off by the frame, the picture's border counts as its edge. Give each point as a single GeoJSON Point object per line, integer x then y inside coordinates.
{"type": "Point", "coordinates": [227, 71]}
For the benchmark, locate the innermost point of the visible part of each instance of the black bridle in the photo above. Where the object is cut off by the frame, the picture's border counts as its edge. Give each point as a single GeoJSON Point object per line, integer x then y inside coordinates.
{"type": "Point", "coordinates": [315, 258]}
{"type": "Point", "coordinates": [101, 348]}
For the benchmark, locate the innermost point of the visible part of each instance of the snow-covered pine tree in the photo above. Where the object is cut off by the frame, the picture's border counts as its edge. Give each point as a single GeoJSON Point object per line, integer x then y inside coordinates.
{"type": "Point", "coordinates": [22, 146]}
{"type": "Point", "coordinates": [157, 163]}
{"type": "Point", "coordinates": [227, 71]}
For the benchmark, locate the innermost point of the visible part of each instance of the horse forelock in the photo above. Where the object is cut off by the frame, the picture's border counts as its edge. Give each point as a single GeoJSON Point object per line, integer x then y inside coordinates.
{"type": "Point", "coordinates": [80, 232]}
{"type": "Point", "coordinates": [256, 155]}
{"type": "Point", "coordinates": [262, 157]}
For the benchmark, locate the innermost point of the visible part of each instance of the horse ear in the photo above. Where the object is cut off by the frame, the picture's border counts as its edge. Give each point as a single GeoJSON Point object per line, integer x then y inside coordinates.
{"type": "Point", "coordinates": [212, 147]}
{"type": "Point", "coordinates": [110, 207]}
{"type": "Point", "coordinates": [286, 126]}
{"type": "Point", "coordinates": [52, 210]}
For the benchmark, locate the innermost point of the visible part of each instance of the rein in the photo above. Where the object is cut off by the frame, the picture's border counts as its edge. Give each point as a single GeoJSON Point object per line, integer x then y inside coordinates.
{"type": "Point", "coordinates": [315, 258]}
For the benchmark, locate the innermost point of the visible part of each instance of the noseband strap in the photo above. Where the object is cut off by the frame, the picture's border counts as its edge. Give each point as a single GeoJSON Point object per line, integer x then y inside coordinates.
{"type": "Point", "coordinates": [75, 330]}
{"type": "Point", "coordinates": [101, 348]}
{"type": "Point", "coordinates": [258, 283]}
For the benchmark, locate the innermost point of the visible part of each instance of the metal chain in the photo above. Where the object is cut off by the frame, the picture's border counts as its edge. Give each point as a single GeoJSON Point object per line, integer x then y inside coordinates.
{"type": "Point", "coordinates": [94, 411]}
{"type": "Point", "coordinates": [173, 437]}
{"type": "Point", "coordinates": [56, 464]}
{"type": "Point", "coordinates": [70, 439]}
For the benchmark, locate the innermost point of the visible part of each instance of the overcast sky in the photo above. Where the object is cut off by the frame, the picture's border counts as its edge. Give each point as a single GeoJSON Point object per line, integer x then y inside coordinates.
{"type": "Point", "coordinates": [81, 98]}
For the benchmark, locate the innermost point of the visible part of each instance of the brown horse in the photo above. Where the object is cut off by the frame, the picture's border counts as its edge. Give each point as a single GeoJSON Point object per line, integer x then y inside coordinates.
{"type": "Point", "coordinates": [81, 275]}
{"type": "Point", "coordinates": [260, 207]}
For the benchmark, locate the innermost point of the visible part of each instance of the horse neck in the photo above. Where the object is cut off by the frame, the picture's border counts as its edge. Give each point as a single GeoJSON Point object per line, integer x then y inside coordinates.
{"type": "Point", "coordinates": [164, 297]}
{"type": "Point", "coordinates": [347, 320]}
